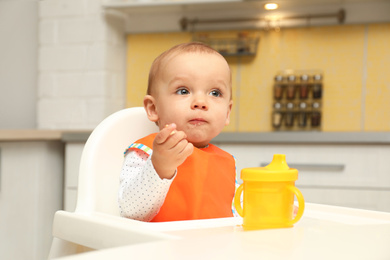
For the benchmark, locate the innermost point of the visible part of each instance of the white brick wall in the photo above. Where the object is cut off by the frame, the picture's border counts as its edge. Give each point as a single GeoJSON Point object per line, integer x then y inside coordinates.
{"type": "Point", "coordinates": [81, 64]}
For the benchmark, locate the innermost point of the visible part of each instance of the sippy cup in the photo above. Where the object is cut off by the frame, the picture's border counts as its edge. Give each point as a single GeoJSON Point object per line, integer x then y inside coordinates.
{"type": "Point", "coordinates": [269, 196]}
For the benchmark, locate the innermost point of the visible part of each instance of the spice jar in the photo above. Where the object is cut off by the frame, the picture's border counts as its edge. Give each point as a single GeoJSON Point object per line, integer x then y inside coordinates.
{"type": "Point", "coordinates": [317, 86]}
{"type": "Point", "coordinates": [304, 87]}
{"type": "Point", "coordinates": [315, 115]}
{"type": "Point", "coordinates": [291, 87]}
{"type": "Point", "coordinates": [302, 115]}
{"type": "Point", "coordinates": [278, 87]}
{"type": "Point", "coordinates": [289, 121]}
{"type": "Point", "coordinates": [277, 115]}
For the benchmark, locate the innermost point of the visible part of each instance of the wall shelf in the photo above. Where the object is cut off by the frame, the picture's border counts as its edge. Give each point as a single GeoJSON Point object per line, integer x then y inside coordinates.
{"type": "Point", "coordinates": [228, 47]}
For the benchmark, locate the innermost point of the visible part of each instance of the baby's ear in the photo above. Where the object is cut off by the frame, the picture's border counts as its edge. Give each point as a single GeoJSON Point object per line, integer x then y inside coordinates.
{"type": "Point", "coordinates": [228, 112]}
{"type": "Point", "coordinates": [150, 108]}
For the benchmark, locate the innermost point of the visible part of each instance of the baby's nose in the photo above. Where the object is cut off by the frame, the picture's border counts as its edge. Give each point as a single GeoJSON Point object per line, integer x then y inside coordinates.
{"type": "Point", "coordinates": [199, 103]}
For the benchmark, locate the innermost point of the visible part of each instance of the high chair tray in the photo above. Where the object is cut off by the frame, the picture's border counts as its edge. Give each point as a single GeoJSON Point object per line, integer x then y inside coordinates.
{"type": "Point", "coordinates": [110, 231]}
{"type": "Point", "coordinates": [324, 232]}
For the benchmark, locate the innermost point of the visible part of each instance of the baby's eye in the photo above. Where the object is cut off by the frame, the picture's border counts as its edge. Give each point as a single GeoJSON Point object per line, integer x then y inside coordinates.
{"type": "Point", "coordinates": [182, 91]}
{"type": "Point", "coordinates": [216, 93]}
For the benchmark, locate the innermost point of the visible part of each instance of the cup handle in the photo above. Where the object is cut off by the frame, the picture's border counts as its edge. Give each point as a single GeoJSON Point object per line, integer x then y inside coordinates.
{"type": "Point", "coordinates": [301, 204]}
{"type": "Point", "coordinates": [237, 200]}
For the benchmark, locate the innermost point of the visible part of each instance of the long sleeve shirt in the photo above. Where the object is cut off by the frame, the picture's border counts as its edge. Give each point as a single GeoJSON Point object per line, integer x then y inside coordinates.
{"type": "Point", "coordinates": [142, 191]}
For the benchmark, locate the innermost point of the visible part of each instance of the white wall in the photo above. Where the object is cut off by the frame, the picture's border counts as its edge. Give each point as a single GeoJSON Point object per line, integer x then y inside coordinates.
{"type": "Point", "coordinates": [81, 64]}
{"type": "Point", "coordinates": [18, 63]}
{"type": "Point", "coordinates": [62, 64]}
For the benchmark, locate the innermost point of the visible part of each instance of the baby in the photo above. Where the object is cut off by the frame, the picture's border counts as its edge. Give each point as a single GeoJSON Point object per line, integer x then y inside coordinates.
{"type": "Point", "coordinates": [176, 174]}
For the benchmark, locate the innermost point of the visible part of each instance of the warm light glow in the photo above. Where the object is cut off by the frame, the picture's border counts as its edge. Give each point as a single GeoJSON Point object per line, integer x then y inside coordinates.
{"type": "Point", "coordinates": [271, 6]}
{"type": "Point", "coordinates": [273, 17]}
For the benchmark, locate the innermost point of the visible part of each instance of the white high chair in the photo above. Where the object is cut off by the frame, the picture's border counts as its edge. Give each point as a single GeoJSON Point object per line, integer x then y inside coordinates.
{"type": "Point", "coordinates": [96, 223]}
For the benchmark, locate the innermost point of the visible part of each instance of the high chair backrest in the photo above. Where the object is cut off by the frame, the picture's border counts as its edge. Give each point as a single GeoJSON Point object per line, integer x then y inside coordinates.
{"type": "Point", "coordinates": [102, 159]}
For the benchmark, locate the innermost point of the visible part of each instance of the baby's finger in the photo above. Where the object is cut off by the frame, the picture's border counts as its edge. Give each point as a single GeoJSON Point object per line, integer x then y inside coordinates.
{"type": "Point", "coordinates": [175, 137]}
{"type": "Point", "coordinates": [182, 150]}
{"type": "Point", "coordinates": [163, 135]}
{"type": "Point", "coordinates": [188, 149]}
{"type": "Point", "coordinates": [180, 145]}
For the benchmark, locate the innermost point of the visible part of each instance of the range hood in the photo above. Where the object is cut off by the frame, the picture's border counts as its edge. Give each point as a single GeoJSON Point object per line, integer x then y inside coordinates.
{"type": "Point", "coordinates": [165, 15]}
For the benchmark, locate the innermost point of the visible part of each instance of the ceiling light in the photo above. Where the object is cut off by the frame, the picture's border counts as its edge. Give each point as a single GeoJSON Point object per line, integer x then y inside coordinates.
{"type": "Point", "coordinates": [271, 6]}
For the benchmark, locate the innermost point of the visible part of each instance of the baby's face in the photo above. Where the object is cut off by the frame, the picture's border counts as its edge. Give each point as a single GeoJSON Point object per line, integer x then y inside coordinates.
{"type": "Point", "coordinates": [194, 92]}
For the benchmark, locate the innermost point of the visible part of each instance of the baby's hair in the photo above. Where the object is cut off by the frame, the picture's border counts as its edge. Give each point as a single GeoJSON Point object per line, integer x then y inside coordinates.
{"type": "Point", "coordinates": [191, 47]}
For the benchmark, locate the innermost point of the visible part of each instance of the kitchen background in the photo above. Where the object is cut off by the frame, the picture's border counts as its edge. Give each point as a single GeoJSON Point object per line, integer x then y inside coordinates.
{"type": "Point", "coordinates": [67, 64]}
{"type": "Point", "coordinates": [354, 60]}
{"type": "Point", "coordinates": [70, 63]}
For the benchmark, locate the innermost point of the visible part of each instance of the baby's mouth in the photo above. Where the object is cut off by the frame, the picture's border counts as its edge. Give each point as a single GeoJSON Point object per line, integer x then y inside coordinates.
{"type": "Point", "coordinates": [198, 121]}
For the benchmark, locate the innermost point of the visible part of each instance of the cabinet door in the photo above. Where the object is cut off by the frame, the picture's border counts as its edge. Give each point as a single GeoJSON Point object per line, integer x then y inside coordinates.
{"type": "Point", "coordinates": [73, 153]}
{"type": "Point", "coordinates": [378, 200]}
{"type": "Point", "coordinates": [30, 193]}
{"type": "Point", "coordinates": [323, 165]}
{"type": "Point", "coordinates": [345, 175]}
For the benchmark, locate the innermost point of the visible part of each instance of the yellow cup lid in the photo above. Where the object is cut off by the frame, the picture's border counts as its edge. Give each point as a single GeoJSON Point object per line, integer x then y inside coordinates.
{"type": "Point", "coordinates": [277, 170]}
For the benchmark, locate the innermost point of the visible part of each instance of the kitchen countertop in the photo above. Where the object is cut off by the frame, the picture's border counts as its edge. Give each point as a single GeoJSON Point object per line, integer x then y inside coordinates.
{"type": "Point", "coordinates": [280, 137]}
{"type": "Point", "coordinates": [225, 137]}
{"type": "Point", "coordinates": [18, 135]}
{"type": "Point", "coordinates": [305, 137]}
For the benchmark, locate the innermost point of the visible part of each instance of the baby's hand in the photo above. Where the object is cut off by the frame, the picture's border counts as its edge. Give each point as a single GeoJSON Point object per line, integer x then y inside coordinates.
{"type": "Point", "coordinates": [170, 149]}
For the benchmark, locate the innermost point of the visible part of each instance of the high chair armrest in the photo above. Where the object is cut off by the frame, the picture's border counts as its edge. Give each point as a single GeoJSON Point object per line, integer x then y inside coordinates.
{"type": "Point", "coordinates": [99, 231]}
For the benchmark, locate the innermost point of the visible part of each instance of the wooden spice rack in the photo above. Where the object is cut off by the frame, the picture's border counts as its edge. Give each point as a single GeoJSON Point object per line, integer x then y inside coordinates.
{"type": "Point", "coordinates": [297, 100]}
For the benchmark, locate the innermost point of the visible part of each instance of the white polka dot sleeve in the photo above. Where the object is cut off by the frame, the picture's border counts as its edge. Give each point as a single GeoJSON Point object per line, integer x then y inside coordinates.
{"type": "Point", "coordinates": [142, 192]}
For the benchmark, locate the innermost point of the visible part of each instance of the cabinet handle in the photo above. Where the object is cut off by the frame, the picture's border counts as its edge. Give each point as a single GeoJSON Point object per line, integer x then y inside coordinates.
{"type": "Point", "coordinates": [313, 167]}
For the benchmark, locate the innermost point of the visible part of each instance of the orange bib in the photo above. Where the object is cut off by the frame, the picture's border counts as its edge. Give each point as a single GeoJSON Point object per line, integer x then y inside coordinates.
{"type": "Point", "coordinates": [203, 188]}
